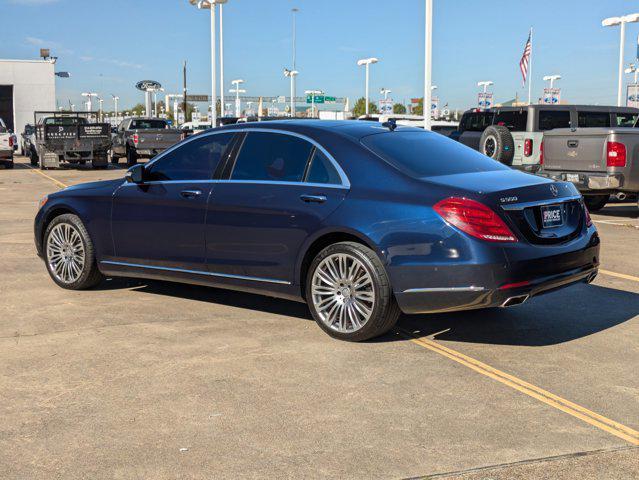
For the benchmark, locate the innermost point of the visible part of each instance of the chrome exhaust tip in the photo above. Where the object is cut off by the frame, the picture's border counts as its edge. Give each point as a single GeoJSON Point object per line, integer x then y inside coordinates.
{"type": "Point", "coordinates": [517, 300]}
{"type": "Point", "coordinates": [621, 196]}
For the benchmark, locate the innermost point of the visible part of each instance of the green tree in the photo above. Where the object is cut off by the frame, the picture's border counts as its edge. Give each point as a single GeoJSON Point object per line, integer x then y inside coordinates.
{"type": "Point", "coordinates": [399, 109]}
{"type": "Point", "coordinates": [360, 107]}
{"type": "Point", "coordinates": [419, 108]}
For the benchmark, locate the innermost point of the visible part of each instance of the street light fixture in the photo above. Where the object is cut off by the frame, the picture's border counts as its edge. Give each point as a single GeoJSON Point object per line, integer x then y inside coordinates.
{"type": "Point", "coordinates": [292, 74]}
{"type": "Point", "coordinates": [237, 90]}
{"type": "Point", "coordinates": [632, 68]}
{"type": "Point", "coordinates": [485, 84]}
{"type": "Point", "coordinates": [89, 96]}
{"type": "Point", "coordinates": [614, 21]}
{"type": "Point", "coordinates": [115, 104]}
{"type": "Point", "coordinates": [210, 5]}
{"type": "Point", "coordinates": [551, 79]}
{"type": "Point", "coordinates": [367, 62]}
{"type": "Point", "coordinates": [385, 92]}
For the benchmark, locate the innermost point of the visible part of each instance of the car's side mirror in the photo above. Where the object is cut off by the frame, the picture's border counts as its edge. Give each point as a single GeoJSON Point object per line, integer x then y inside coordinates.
{"type": "Point", "coordinates": [135, 174]}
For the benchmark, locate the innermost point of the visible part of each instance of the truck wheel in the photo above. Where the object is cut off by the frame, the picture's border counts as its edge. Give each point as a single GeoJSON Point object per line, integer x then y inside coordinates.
{"type": "Point", "coordinates": [114, 159]}
{"type": "Point", "coordinates": [69, 253]}
{"type": "Point", "coordinates": [33, 157]}
{"type": "Point", "coordinates": [596, 202]}
{"type": "Point", "coordinates": [131, 157]}
{"type": "Point", "coordinates": [100, 162]}
{"type": "Point", "coordinates": [9, 164]}
{"type": "Point", "coordinates": [497, 143]}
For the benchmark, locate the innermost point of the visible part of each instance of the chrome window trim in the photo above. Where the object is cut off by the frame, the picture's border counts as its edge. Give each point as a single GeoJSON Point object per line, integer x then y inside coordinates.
{"type": "Point", "coordinates": [343, 177]}
{"type": "Point", "coordinates": [538, 203]}
{"type": "Point", "coordinates": [250, 182]}
{"type": "Point", "coordinates": [198, 272]}
{"type": "Point", "coordinates": [444, 289]}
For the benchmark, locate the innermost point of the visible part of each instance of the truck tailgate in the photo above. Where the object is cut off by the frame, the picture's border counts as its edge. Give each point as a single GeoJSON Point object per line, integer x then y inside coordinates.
{"type": "Point", "coordinates": [157, 138]}
{"type": "Point", "coordinates": [582, 150]}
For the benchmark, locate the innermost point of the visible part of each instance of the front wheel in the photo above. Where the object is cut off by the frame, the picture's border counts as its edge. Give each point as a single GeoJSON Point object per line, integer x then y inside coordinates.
{"type": "Point", "coordinates": [349, 293]}
{"type": "Point", "coordinates": [69, 254]}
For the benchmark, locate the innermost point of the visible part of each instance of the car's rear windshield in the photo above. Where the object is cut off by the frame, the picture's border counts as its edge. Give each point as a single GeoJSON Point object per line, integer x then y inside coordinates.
{"type": "Point", "coordinates": [425, 154]}
{"type": "Point", "coordinates": [64, 121]}
{"type": "Point", "coordinates": [143, 124]}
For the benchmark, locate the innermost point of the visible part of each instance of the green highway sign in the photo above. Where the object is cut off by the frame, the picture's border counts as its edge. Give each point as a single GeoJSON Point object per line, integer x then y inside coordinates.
{"type": "Point", "coordinates": [318, 99]}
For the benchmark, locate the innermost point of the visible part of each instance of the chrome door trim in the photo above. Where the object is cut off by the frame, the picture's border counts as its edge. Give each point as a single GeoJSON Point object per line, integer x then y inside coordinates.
{"type": "Point", "coordinates": [197, 272]}
{"type": "Point", "coordinates": [343, 177]}
{"type": "Point", "coordinates": [538, 203]}
{"type": "Point", "coordinates": [444, 289]}
{"type": "Point", "coordinates": [252, 182]}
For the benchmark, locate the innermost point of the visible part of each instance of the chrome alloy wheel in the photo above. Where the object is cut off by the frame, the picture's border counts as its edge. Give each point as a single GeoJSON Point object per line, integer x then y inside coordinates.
{"type": "Point", "coordinates": [65, 253]}
{"type": "Point", "coordinates": [343, 293]}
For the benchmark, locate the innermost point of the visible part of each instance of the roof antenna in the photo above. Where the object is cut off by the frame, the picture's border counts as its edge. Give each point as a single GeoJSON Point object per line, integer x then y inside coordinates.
{"type": "Point", "coordinates": [391, 124]}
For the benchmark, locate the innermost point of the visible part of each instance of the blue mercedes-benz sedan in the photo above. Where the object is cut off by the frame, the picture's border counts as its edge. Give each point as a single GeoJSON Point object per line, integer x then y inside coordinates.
{"type": "Point", "coordinates": [362, 221]}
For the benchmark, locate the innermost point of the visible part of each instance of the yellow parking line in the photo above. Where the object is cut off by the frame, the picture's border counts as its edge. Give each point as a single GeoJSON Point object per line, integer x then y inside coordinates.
{"type": "Point", "coordinates": [619, 275]}
{"type": "Point", "coordinates": [57, 182]}
{"type": "Point", "coordinates": [555, 401]}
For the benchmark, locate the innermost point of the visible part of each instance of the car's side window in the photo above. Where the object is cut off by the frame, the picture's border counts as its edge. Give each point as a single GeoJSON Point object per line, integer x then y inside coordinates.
{"type": "Point", "coordinates": [274, 156]}
{"type": "Point", "coordinates": [195, 160]}
{"type": "Point", "coordinates": [322, 170]}
{"type": "Point", "coordinates": [593, 119]}
{"type": "Point", "coordinates": [549, 119]}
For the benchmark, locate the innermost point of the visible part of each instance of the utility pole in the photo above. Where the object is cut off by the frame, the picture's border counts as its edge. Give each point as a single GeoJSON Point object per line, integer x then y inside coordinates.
{"type": "Point", "coordinates": [184, 103]}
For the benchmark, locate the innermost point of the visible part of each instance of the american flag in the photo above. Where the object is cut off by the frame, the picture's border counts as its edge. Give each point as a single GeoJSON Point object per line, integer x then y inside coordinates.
{"type": "Point", "coordinates": [525, 59]}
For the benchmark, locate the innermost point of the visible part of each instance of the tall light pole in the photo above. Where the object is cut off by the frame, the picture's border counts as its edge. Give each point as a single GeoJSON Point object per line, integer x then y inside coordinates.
{"type": "Point", "coordinates": [221, 60]}
{"type": "Point", "coordinates": [485, 84]}
{"type": "Point", "coordinates": [292, 74]}
{"type": "Point", "coordinates": [428, 62]}
{"type": "Point", "coordinates": [115, 104]}
{"type": "Point", "coordinates": [551, 79]}
{"type": "Point", "coordinates": [312, 93]}
{"type": "Point", "coordinates": [89, 95]}
{"type": "Point", "coordinates": [367, 62]}
{"type": "Point", "coordinates": [611, 22]}
{"type": "Point", "coordinates": [294, 11]}
{"type": "Point", "coordinates": [385, 92]}
{"type": "Point", "coordinates": [210, 5]}
{"type": "Point", "coordinates": [237, 90]}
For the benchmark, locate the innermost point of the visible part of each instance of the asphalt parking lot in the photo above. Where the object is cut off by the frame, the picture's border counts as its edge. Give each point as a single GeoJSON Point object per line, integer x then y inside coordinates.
{"type": "Point", "coordinates": [140, 379]}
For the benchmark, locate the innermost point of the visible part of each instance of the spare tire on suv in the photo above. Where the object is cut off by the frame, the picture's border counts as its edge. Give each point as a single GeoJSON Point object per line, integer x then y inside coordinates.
{"type": "Point", "coordinates": [497, 143]}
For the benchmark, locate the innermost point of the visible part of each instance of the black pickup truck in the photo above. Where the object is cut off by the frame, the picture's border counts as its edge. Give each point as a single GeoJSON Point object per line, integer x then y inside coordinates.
{"type": "Point", "coordinates": [141, 137]}
{"type": "Point", "coordinates": [70, 138]}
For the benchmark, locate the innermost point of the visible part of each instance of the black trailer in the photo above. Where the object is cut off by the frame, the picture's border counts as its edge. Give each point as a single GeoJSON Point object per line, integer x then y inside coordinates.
{"type": "Point", "coordinates": [71, 138]}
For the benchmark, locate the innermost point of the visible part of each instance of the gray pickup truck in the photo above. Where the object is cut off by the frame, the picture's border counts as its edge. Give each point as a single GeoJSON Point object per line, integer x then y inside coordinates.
{"type": "Point", "coordinates": [142, 138]}
{"type": "Point", "coordinates": [599, 161]}
{"type": "Point", "coordinates": [70, 138]}
{"type": "Point", "coordinates": [6, 145]}
{"type": "Point", "coordinates": [513, 135]}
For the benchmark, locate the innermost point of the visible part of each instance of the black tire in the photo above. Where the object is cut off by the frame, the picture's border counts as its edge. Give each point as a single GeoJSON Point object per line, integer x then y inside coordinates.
{"type": "Point", "coordinates": [90, 275]}
{"type": "Point", "coordinates": [596, 202]}
{"type": "Point", "coordinates": [385, 310]}
{"type": "Point", "coordinates": [114, 159]}
{"type": "Point", "coordinates": [100, 162]}
{"type": "Point", "coordinates": [33, 157]}
{"type": "Point", "coordinates": [9, 164]}
{"type": "Point", "coordinates": [131, 157]}
{"type": "Point", "coordinates": [497, 143]}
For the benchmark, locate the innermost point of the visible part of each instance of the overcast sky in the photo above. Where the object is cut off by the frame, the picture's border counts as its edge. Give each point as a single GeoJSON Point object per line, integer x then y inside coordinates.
{"type": "Point", "coordinates": [109, 45]}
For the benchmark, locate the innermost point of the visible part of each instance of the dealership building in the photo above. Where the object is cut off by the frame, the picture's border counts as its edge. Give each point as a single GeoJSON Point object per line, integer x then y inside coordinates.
{"type": "Point", "coordinates": [25, 86]}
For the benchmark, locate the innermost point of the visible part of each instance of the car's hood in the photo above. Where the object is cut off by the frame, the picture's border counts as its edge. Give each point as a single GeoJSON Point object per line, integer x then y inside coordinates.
{"type": "Point", "coordinates": [107, 185]}
{"type": "Point", "coordinates": [488, 182]}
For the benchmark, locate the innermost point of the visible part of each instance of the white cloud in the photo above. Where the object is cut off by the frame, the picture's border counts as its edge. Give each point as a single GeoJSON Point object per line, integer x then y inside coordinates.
{"type": "Point", "coordinates": [86, 58]}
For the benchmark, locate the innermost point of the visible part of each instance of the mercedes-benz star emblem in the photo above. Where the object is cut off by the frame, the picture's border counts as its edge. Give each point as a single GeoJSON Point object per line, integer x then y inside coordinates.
{"type": "Point", "coordinates": [554, 190]}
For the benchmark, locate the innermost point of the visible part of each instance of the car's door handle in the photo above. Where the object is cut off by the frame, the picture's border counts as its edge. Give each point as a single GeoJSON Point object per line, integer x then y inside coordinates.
{"type": "Point", "coordinates": [313, 198]}
{"type": "Point", "coordinates": [191, 193]}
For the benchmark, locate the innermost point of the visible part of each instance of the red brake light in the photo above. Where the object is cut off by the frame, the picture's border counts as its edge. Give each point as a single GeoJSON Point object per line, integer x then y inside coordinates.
{"type": "Point", "coordinates": [541, 153]}
{"type": "Point", "coordinates": [528, 146]}
{"type": "Point", "coordinates": [587, 214]}
{"type": "Point", "coordinates": [615, 154]}
{"type": "Point", "coordinates": [475, 219]}
{"type": "Point", "coordinates": [135, 138]}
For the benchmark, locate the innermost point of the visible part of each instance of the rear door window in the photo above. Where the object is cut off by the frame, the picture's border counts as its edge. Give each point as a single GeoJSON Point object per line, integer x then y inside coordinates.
{"type": "Point", "coordinates": [272, 157]}
{"type": "Point", "coordinates": [593, 119]}
{"type": "Point", "coordinates": [515, 121]}
{"type": "Point", "coordinates": [549, 119]}
{"type": "Point", "coordinates": [322, 170]}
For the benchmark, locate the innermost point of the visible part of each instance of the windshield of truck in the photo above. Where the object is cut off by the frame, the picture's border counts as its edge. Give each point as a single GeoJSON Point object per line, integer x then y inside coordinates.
{"type": "Point", "coordinates": [515, 121]}
{"type": "Point", "coordinates": [65, 121]}
{"type": "Point", "coordinates": [145, 124]}
{"type": "Point", "coordinates": [627, 119]}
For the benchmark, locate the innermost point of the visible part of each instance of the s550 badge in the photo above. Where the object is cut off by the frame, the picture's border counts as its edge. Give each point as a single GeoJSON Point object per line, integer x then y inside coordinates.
{"type": "Point", "coordinates": [508, 199]}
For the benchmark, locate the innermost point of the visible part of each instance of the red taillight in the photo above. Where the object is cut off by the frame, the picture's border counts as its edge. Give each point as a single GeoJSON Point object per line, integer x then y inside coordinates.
{"type": "Point", "coordinates": [587, 215]}
{"type": "Point", "coordinates": [615, 154]}
{"type": "Point", "coordinates": [541, 153]}
{"type": "Point", "coordinates": [11, 140]}
{"type": "Point", "coordinates": [475, 219]}
{"type": "Point", "coordinates": [528, 145]}
{"type": "Point", "coordinates": [136, 138]}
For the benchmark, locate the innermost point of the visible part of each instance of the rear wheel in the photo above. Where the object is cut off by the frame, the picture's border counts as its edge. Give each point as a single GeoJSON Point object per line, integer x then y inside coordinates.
{"type": "Point", "coordinates": [596, 202]}
{"type": "Point", "coordinates": [497, 143]}
{"type": "Point", "coordinates": [114, 158]}
{"type": "Point", "coordinates": [131, 157]}
{"type": "Point", "coordinates": [33, 157]}
{"type": "Point", "coordinates": [69, 254]}
{"type": "Point", "coordinates": [349, 293]}
{"type": "Point", "coordinates": [9, 164]}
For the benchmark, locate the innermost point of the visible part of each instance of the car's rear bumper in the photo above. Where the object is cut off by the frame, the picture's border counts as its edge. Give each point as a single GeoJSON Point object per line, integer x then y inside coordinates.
{"type": "Point", "coordinates": [592, 182]}
{"type": "Point", "coordinates": [6, 154]}
{"type": "Point", "coordinates": [492, 285]}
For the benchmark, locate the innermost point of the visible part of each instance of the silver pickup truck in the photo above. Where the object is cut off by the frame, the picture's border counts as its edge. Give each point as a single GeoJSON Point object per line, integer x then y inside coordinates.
{"type": "Point", "coordinates": [142, 138]}
{"type": "Point", "coordinates": [599, 161]}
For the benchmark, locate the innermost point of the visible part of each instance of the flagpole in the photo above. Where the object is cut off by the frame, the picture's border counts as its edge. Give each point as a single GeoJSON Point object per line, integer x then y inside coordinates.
{"type": "Point", "coordinates": [530, 68]}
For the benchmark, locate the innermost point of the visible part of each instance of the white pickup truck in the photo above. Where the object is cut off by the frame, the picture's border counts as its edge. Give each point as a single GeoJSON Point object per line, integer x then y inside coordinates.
{"type": "Point", "coordinates": [6, 145]}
